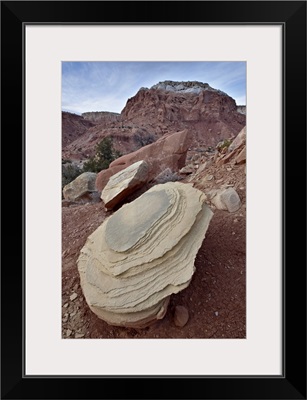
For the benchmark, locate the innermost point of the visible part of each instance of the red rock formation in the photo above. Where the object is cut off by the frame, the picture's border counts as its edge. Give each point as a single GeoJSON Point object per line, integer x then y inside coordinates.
{"type": "Point", "coordinates": [167, 152]}
{"type": "Point", "coordinates": [208, 114]}
{"type": "Point", "coordinates": [73, 126]}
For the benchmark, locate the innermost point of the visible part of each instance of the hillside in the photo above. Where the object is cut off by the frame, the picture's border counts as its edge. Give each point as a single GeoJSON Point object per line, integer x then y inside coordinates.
{"type": "Point", "coordinates": [181, 131]}
{"type": "Point", "coordinates": [73, 126]}
{"type": "Point", "coordinates": [167, 107]}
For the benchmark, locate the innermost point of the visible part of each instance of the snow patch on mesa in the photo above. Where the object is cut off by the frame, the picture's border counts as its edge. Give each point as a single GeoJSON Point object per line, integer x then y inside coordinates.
{"type": "Point", "coordinates": [186, 87]}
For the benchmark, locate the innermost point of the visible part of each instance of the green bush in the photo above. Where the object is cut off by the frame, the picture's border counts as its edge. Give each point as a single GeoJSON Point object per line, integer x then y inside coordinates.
{"type": "Point", "coordinates": [69, 173]}
{"type": "Point", "coordinates": [223, 145]}
{"type": "Point", "coordinates": [104, 155]}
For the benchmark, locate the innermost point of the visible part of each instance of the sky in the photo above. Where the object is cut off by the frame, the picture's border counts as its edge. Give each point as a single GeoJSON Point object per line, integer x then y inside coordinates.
{"type": "Point", "coordinates": [106, 86]}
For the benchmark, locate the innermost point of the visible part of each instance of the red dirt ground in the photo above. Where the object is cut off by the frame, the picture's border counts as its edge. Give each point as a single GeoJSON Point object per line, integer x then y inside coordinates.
{"type": "Point", "coordinates": [216, 297]}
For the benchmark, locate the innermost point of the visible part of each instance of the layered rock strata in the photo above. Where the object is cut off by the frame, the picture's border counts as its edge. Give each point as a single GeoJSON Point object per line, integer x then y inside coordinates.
{"type": "Point", "coordinates": [101, 116]}
{"type": "Point", "coordinates": [124, 183]}
{"type": "Point", "coordinates": [144, 253]}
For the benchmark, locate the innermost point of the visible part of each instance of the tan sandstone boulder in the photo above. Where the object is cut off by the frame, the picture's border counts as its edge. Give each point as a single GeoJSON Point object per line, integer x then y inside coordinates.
{"type": "Point", "coordinates": [82, 185]}
{"type": "Point", "coordinates": [225, 199]}
{"type": "Point", "coordinates": [103, 176]}
{"type": "Point", "coordinates": [144, 253]}
{"type": "Point", "coordinates": [167, 152]}
{"type": "Point", "coordinates": [123, 183]}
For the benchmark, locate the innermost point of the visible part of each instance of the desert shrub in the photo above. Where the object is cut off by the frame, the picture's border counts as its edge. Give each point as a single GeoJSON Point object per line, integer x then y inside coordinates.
{"type": "Point", "coordinates": [104, 155]}
{"type": "Point", "coordinates": [167, 175]}
{"type": "Point", "coordinates": [69, 173]}
{"type": "Point", "coordinates": [143, 140]}
{"type": "Point", "coordinates": [68, 161]}
{"type": "Point", "coordinates": [224, 144]}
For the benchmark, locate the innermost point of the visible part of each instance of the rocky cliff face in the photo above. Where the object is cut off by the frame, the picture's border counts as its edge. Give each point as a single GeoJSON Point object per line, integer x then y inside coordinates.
{"type": "Point", "coordinates": [73, 126]}
{"type": "Point", "coordinates": [171, 106]}
{"type": "Point", "coordinates": [167, 107]}
{"type": "Point", "coordinates": [103, 117]}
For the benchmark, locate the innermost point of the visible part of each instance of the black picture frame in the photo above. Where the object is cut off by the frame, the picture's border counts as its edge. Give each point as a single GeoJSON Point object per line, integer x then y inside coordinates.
{"type": "Point", "coordinates": [292, 16]}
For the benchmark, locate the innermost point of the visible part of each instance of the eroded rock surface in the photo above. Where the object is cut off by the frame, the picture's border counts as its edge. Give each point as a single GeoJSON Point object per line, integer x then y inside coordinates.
{"type": "Point", "coordinates": [144, 253]}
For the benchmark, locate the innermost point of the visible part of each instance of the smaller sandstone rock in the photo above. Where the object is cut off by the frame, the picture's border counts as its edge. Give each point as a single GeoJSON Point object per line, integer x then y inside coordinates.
{"type": "Point", "coordinates": [79, 335]}
{"type": "Point", "coordinates": [83, 184]}
{"type": "Point", "coordinates": [188, 169]}
{"type": "Point", "coordinates": [231, 199]}
{"type": "Point", "coordinates": [68, 332]}
{"type": "Point", "coordinates": [181, 316]}
{"type": "Point", "coordinates": [123, 183]}
{"type": "Point", "coordinates": [225, 199]}
{"type": "Point", "coordinates": [73, 296]}
{"type": "Point", "coordinates": [238, 141]}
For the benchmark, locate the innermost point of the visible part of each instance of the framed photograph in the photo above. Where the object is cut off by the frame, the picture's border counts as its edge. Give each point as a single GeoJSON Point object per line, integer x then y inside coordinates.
{"type": "Point", "coordinates": [244, 329]}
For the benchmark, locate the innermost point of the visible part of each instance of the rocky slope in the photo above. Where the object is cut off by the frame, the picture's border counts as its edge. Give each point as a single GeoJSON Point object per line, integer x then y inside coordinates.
{"type": "Point", "coordinates": [214, 304]}
{"type": "Point", "coordinates": [170, 106]}
{"type": "Point", "coordinates": [241, 109]}
{"type": "Point", "coordinates": [164, 108]}
{"type": "Point", "coordinates": [128, 271]}
{"type": "Point", "coordinates": [73, 126]}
